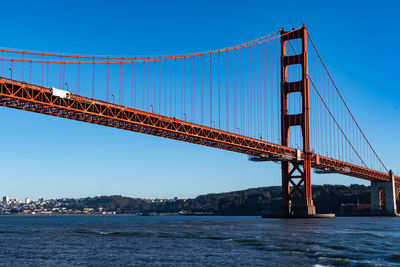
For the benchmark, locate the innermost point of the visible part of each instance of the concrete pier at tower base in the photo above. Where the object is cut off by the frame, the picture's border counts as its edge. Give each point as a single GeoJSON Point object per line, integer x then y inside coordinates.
{"type": "Point", "coordinates": [298, 216]}
{"type": "Point", "coordinates": [383, 197]}
{"type": "Point", "coordinates": [297, 212]}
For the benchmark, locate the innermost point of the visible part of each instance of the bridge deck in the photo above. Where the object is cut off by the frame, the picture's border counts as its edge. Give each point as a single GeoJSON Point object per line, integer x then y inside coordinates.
{"type": "Point", "coordinates": [30, 97]}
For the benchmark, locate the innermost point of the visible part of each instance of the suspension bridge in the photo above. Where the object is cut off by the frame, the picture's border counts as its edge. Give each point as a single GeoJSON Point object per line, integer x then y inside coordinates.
{"type": "Point", "coordinates": [272, 98]}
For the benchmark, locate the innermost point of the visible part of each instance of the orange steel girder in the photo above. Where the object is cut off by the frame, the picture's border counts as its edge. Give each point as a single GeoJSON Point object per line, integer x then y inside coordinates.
{"type": "Point", "coordinates": [38, 99]}
{"type": "Point", "coordinates": [296, 181]}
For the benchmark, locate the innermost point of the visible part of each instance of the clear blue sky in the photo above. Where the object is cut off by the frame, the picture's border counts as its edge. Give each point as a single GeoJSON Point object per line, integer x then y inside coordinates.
{"type": "Point", "coordinates": [49, 157]}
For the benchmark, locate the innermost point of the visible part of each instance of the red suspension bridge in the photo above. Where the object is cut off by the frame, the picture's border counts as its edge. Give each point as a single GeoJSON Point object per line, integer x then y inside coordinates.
{"type": "Point", "coordinates": [272, 99]}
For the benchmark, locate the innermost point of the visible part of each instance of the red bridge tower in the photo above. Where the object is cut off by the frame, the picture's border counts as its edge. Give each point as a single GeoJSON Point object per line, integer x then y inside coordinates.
{"type": "Point", "coordinates": [296, 174]}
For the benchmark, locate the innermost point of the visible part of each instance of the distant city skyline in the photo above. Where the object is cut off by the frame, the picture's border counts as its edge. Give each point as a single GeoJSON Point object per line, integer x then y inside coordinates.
{"type": "Point", "coordinates": [48, 157]}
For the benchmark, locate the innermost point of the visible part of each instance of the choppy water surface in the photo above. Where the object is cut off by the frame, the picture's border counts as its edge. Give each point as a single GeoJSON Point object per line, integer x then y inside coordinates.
{"type": "Point", "coordinates": [197, 241]}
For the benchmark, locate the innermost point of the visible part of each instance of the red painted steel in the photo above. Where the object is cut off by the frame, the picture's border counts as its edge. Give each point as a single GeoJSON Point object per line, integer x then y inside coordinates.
{"type": "Point", "coordinates": [39, 99]}
{"type": "Point", "coordinates": [296, 174]}
{"type": "Point", "coordinates": [253, 107]}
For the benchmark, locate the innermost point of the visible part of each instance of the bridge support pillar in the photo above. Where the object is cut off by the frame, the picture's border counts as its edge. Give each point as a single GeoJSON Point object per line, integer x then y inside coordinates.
{"type": "Point", "coordinates": [296, 174]}
{"type": "Point", "coordinates": [383, 197]}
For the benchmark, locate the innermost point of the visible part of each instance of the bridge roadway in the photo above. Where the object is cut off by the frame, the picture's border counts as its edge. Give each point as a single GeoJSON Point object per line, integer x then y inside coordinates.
{"type": "Point", "coordinates": [39, 99]}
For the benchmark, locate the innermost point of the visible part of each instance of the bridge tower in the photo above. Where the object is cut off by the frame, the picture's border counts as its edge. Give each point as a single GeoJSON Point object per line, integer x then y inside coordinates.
{"type": "Point", "coordinates": [296, 174]}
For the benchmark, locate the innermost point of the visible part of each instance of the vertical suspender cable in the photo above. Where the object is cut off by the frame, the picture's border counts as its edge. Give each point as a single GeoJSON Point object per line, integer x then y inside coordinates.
{"type": "Point", "coordinates": [172, 104]}
{"type": "Point", "coordinates": [42, 70]}
{"type": "Point", "coordinates": [60, 73]}
{"type": "Point", "coordinates": [93, 80]}
{"type": "Point", "coordinates": [210, 90]}
{"type": "Point", "coordinates": [122, 82]}
{"type": "Point", "coordinates": [144, 86]}
{"type": "Point", "coordinates": [47, 75]}
{"type": "Point", "coordinates": [108, 81]}
{"type": "Point", "coordinates": [135, 87]}
{"type": "Point", "coordinates": [271, 88]}
{"type": "Point", "coordinates": [227, 90]}
{"type": "Point", "coordinates": [202, 89]}
{"type": "Point", "coordinates": [159, 88]}
{"type": "Point", "coordinates": [165, 87]}
{"type": "Point", "coordinates": [266, 117]}
{"type": "Point", "coordinates": [175, 92]}
{"type": "Point", "coordinates": [194, 90]}
{"type": "Point", "coordinates": [30, 72]}
{"type": "Point", "coordinates": [242, 85]}
{"type": "Point", "coordinates": [132, 70]}
{"type": "Point", "coordinates": [77, 77]}
{"type": "Point", "coordinates": [191, 88]}
{"type": "Point", "coordinates": [148, 86]}
{"type": "Point", "coordinates": [219, 90]}
{"type": "Point", "coordinates": [234, 91]}
{"type": "Point", "coordinates": [247, 94]}
{"type": "Point", "coordinates": [154, 89]}
{"type": "Point", "coordinates": [23, 63]}
{"type": "Point", "coordinates": [184, 88]}
{"type": "Point", "coordinates": [181, 89]}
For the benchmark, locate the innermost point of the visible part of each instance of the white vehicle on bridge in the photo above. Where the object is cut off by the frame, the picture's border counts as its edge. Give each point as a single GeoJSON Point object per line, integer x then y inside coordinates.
{"type": "Point", "coordinates": [60, 93]}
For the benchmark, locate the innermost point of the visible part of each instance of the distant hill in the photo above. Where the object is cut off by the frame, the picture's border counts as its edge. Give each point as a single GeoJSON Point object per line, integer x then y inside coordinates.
{"type": "Point", "coordinates": [253, 201]}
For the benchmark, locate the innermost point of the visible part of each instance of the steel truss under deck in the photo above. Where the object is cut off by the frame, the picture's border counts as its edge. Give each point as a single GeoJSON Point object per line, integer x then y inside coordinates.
{"type": "Point", "coordinates": [30, 97]}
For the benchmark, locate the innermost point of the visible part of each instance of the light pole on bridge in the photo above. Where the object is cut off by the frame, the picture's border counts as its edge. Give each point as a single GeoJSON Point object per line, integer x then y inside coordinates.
{"type": "Point", "coordinates": [113, 96]}
{"type": "Point", "coordinates": [11, 69]}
